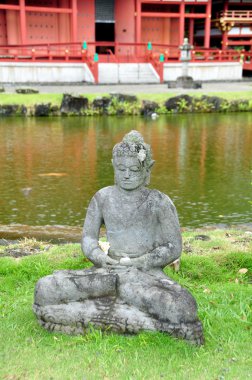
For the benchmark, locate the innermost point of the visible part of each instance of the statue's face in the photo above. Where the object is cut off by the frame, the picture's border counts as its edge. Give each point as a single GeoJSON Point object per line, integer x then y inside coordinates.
{"type": "Point", "coordinates": [129, 173]}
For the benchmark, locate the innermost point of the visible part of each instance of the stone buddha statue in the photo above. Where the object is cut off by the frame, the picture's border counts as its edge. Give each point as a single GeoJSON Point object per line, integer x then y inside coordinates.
{"type": "Point", "coordinates": [126, 290]}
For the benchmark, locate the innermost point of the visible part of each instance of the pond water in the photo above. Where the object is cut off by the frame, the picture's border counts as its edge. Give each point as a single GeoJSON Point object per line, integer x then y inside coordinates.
{"type": "Point", "coordinates": [203, 162]}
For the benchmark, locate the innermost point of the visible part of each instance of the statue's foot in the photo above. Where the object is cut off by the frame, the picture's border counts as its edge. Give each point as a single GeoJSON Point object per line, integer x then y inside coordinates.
{"type": "Point", "coordinates": [106, 313]}
{"type": "Point", "coordinates": [192, 332]}
{"type": "Point", "coordinates": [110, 314]}
{"type": "Point", "coordinates": [49, 321]}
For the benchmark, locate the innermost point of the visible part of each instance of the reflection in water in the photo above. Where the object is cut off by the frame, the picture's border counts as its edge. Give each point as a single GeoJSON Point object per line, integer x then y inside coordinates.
{"type": "Point", "coordinates": [202, 161]}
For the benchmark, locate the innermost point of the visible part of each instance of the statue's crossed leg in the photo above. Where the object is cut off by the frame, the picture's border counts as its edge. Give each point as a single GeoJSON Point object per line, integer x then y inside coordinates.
{"type": "Point", "coordinates": [124, 301]}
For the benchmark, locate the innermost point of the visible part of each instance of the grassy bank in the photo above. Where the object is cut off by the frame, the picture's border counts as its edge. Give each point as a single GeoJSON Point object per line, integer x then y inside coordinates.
{"type": "Point", "coordinates": [56, 99]}
{"type": "Point", "coordinates": [30, 100]}
{"type": "Point", "coordinates": [51, 104]}
{"type": "Point", "coordinates": [216, 267]}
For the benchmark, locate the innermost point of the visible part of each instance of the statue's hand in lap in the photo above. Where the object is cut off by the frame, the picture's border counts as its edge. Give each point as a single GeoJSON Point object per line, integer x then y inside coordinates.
{"type": "Point", "coordinates": [125, 261]}
{"type": "Point", "coordinates": [109, 262]}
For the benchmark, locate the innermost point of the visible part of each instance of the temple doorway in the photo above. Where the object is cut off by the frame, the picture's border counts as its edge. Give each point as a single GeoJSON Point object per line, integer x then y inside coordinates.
{"type": "Point", "coordinates": [104, 24]}
{"type": "Point", "coordinates": [104, 31]}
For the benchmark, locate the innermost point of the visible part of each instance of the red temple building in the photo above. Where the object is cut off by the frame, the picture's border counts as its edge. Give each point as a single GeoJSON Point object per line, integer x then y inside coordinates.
{"type": "Point", "coordinates": [125, 30]}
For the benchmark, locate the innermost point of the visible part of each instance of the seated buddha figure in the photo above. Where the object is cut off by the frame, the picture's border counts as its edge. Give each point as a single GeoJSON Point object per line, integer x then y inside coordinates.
{"type": "Point", "coordinates": [126, 290]}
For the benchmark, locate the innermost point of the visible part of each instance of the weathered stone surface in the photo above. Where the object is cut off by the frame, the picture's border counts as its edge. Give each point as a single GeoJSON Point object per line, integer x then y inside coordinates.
{"type": "Point", "coordinates": [4, 242]}
{"type": "Point", "coordinates": [126, 290]}
{"type": "Point", "coordinates": [42, 109]}
{"type": "Point", "coordinates": [8, 110]}
{"type": "Point", "coordinates": [180, 103]}
{"type": "Point", "coordinates": [108, 313]}
{"type": "Point", "coordinates": [23, 110]}
{"type": "Point", "coordinates": [124, 97]}
{"type": "Point", "coordinates": [120, 111]}
{"type": "Point", "coordinates": [73, 104]}
{"type": "Point", "coordinates": [215, 102]}
{"type": "Point", "coordinates": [26, 90]}
{"type": "Point", "coordinates": [239, 105]}
{"type": "Point", "coordinates": [148, 107]}
{"type": "Point", "coordinates": [197, 84]}
{"type": "Point", "coordinates": [185, 82]}
{"type": "Point", "coordinates": [55, 110]}
{"type": "Point", "coordinates": [202, 237]}
{"type": "Point", "coordinates": [102, 102]}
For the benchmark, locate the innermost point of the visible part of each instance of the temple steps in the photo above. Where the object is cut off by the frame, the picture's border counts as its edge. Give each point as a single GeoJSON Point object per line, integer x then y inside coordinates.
{"type": "Point", "coordinates": [127, 73]}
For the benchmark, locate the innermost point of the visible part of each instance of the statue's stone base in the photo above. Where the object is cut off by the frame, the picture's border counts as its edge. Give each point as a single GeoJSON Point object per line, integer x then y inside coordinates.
{"type": "Point", "coordinates": [185, 82]}
{"type": "Point", "coordinates": [74, 314]}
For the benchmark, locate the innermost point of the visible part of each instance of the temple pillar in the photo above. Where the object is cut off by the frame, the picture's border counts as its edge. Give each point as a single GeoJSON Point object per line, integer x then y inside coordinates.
{"type": "Point", "coordinates": [138, 25]}
{"type": "Point", "coordinates": [191, 31]}
{"type": "Point", "coordinates": [225, 32]}
{"type": "Point", "coordinates": [225, 39]}
{"type": "Point", "coordinates": [12, 27]}
{"type": "Point", "coordinates": [138, 21]}
{"type": "Point", "coordinates": [74, 21]}
{"type": "Point", "coordinates": [207, 25]}
{"type": "Point", "coordinates": [64, 23]}
{"type": "Point", "coordinates": [166, 31]}
{"type": "Point", "coordinates": [22, 22]}
{"type": "Point", "coordinates": [182, 23]}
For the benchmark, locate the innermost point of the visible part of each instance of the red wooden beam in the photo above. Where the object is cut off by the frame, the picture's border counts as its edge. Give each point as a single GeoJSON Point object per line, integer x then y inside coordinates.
{"type": "Point", "coordinates": [10, 7]}
{"type": "Point", "coordinates": [175, 2]}
{"type": "Point", "coordinates": [160, 14]}
{"type": "Point", "coordinates": [48, 9]}
{"type": "Point", "coordinates": [239, 35]}
{"type": "Point", "coordinates": [161, 2]}
{"type": "Point", "coordinates": [196, 15]}
{"type": "Point", "coordinates": [240, 42]}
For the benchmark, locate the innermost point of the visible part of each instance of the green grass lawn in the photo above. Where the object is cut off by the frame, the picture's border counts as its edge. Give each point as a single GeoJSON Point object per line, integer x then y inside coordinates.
{"type": "Point", "coordinates": [210, 269]}
{"type": "Point", "coordinates": [30, 100]}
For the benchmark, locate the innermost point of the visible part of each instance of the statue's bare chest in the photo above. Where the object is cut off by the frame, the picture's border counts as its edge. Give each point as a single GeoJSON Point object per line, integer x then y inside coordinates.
{"type": "Point", "coordinates": [124, 214]}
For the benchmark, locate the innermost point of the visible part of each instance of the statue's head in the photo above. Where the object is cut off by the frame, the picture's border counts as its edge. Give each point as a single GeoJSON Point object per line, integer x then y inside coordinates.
{"type": "Point", "coordinates": [132, 162]}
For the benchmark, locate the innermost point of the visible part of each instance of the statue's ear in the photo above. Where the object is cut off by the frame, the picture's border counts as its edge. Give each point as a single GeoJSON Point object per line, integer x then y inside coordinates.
{"type": "Point", "coordinates": [151, 164]}
{"type": "Point", "coordinates": [148, 173]}
{"type": "Point", "coordinates": [112, 161]}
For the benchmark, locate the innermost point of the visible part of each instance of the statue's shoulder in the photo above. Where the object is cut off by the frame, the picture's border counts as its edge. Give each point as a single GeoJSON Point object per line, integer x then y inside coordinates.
{"type": "Point", "coordinates": [104, 193]}
{"type": "Point", "coordinates": [160, 199]}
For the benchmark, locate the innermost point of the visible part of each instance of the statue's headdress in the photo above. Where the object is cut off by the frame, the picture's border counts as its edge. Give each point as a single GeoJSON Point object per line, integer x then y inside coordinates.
{"type": "Point", "coordinates": [133, 145]}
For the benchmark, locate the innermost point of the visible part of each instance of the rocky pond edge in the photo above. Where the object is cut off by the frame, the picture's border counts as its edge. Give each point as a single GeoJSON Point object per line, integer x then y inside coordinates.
{"type": "Point", "coordinates": [58, 234]}
{"type": "Point", "coordinates": [125, 104]}
{"type": "Point", "coordinates": [204, 241]}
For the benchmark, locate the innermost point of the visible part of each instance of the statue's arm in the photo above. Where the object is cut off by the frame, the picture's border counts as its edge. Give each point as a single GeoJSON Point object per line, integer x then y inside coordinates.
{"type": "Point", "coordinates": [90, 235]}
{"type": "Point", "coordinates": [170, 248]}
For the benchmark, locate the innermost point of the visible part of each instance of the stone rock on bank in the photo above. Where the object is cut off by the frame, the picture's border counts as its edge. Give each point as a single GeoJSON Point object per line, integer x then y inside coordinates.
{"type": "Point", "coordinates": [73, 105]}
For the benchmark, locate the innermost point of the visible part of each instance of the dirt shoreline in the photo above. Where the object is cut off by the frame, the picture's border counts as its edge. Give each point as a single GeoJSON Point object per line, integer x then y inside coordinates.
{"type": "Point", "coordinates": [59, 234]}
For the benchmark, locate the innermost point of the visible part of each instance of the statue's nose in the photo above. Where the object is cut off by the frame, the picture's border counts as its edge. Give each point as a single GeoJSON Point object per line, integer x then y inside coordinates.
{"type": "Point", "coordinates": [127, 173]}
